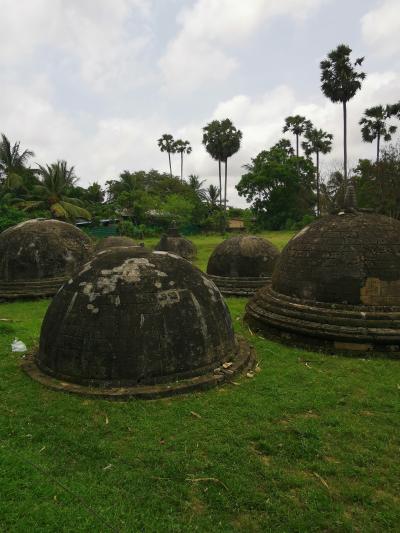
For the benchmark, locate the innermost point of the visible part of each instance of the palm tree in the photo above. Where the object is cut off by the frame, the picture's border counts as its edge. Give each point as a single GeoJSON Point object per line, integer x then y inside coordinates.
{"type": "Point", "coordinates": [374, 125]}
{"type": "Point", "coordinates": [339, 82]}
{"type": "Point", "coordinates": [167, 144]}
{"type": "Point", "coordinates": [13, 163]}
{"type": "Point", "coordinates": [212, 194]}
{"type": "Point", "coordinates": [317, 142]}
{"type": "Point", "coordinates": [196, 184]}
{"type": "Point", "coordinates": [212, 140]}
{"type": "Point", "coordinates": [297, 125]}
{"type": "Point", "coordinates": [182, 147]}
{"type": "Point", "coordinates": [231, 138]}
{"type": "Point", "coordinates": [55, 181]}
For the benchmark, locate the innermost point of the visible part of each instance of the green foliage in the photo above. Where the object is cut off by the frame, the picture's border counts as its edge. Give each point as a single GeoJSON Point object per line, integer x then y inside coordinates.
{"type": "Point", "coordinates": [126, 228]}
{"type": "Point", "coordinates": [279, 186]}
{"type": "Point", "coordinates": [179, 208]}
{"type": "Point", "coordinates": [9, 216]}
{"type": "Point", "coordinates": [297, 125]}
{"type": "Point", "coordinates": [374, 125]}
{"type": "Point", "coordinates": [378, 183]}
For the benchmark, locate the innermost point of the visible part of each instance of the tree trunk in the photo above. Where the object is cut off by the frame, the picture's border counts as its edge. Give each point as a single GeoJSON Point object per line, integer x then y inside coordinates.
{"type": "Point", "coordinates": [345, 143]}
{"type": "Point", "coordinates": [220, 182]}
{"type": "Point", "coordinates": [170, 167]}
{"type": "Point", "coordinates": [297, 145]}
{"type": "Point", "coordinates": [226, 181]}
{"type": "Point", "coordinates": [318, 196]}
{"type": "Point", "coordinates": [181, 166]}
{"type": "Point", "coordinates": [378, 142]}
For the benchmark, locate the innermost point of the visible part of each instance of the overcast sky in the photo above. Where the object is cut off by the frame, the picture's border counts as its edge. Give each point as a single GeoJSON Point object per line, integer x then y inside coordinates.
{"type": "Point", "coordinates": [97, 82]}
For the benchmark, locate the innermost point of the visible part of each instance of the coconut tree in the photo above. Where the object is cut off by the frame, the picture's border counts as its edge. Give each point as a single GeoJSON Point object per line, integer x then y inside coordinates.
{"type": "Point", "coordinates": [231, 138]}
{"type": "Point", "coordinates": [297, 125]}
{"type": "Point", "coordinates": [13, 163]}
{"type": "Point", "coordinates": [55, 183]}
{"type": "Point", "coordinates": [340, 80]}
{"type": "Point", "coordinates": [374, 125]}
{"type": "Point", "coordinates": [167, 144]}
{"type": "Point", "coordinates": [212, 140]}
{"type": "Point", "coordinates": [212, 194]}
{"type": "Point", "coordinates": [317, 142]}
{"type": "Point", "coordinates": [182, 147]}
{"type": "Point", "coordinates": [196, 184]}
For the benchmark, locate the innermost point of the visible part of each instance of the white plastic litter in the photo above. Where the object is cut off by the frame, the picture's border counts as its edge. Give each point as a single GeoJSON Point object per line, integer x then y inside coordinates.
{"type": "Point", "coordinates": [18, 346]}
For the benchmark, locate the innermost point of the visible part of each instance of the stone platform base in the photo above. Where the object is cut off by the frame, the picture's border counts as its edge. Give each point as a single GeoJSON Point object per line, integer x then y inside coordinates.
{"type": "Point", "coordinates": [332, 328]}
{"type": "Point", "coordinates": [12, 290]}
{"type": "Point", "coordinates": [243, 361]}
{"type": "Point", "coordinates": [235, 286]}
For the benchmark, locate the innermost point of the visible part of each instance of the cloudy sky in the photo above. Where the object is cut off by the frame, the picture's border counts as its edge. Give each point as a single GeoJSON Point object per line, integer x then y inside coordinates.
{"type": "Point", "coordinates": [96, 82]}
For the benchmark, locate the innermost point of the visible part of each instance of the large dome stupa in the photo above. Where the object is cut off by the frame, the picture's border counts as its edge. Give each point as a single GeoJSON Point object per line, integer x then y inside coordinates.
{"type": "Point", "coordinates": [38, 256]}
{"type": "Point", "coordinates": [241, 265]}
{"type": "Point", "coordinates": [137, 323]}
{"type": "Point", "coordinates": [173, 242]}
{"type": "Point", "coordinates": [336, 287]}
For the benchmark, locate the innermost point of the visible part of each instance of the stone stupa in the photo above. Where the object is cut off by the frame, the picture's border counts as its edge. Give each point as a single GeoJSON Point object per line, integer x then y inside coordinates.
{"type": "Point", "coordinates": [336, 287]}
{"type": "Point", "coordinates": [137, 323]}
{"type": "Point", "coordinates": [38, 256]}
{"type": "Point", "coordinates": [173, 242]}
{"type": "Point", "coordinates": [240, 265]}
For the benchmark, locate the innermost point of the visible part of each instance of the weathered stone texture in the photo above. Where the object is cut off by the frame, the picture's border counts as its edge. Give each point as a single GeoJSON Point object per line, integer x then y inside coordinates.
{"type": "Point", "coordinates": [178, 245]}
{"type": "Point", "coordinates": [133, 317]}
{"type": "Point", "coordinates": [37, 255]}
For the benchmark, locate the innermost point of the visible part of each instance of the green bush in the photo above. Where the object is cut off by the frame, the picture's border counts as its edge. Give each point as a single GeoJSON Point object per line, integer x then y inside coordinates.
{"type": "Point", "coordinates": [305, 221]}
{"type": "Point", "coordinates": [9, 216]}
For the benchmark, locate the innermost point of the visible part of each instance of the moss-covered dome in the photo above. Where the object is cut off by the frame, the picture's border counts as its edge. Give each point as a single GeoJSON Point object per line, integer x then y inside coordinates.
{"type": "Point", "coordinates": [240, 265]}
{"type": "Point", "coordinates": [114, 242]}
{"type": "Point", "coordinates": [173, 242]}
{"type": "Point", "coordinates": [38, 255]}
{"type": "Point", "coordinates": [140, 321]}
{"type": "Point", "coordinates": [337, 281]}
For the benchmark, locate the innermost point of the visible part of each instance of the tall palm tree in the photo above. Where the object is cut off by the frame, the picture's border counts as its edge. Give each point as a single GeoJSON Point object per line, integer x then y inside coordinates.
{"type": "Point", "coordinates": [212, 140]}
{"type": "Point", "coordinates": [374, 125]}
{"type": "Point", "coordinates": [340, 81]}
{"type": "Point", "coordinates": [55, 182]}
{"type": "Point", "coordinates": [231, 138]}
{"type": "Point", "coordinates": [13, 163]}
{"type": "Point", "coordinates": [317, 142]}
{"type": "Point", "coordinates": [212, 194]}
{"type": "Point", "coordinates": [167, 144]}
{"type": "Point", "coordinates": [297, 125]}
{"type": "Point", "coordinates": [182, 147]}
{"type": "Point", "coordinates": [196, 184]}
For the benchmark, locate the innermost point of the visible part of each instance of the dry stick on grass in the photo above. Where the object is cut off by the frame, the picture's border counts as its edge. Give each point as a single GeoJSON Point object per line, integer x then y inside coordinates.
{"type": "Point", "coordinates": [213, 479]}
{"type": "Point", "coordinates": [322, 480]}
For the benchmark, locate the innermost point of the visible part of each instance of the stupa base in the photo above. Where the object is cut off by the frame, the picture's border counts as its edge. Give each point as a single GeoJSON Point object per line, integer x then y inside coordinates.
{"type": "Point", "coordinates": [239, 286]}
{"type": "Point", "coordinates": [359, 331]}
{"type": "Point", "coordinates": [243, 361]}
{"type": "Point", "coordinates": [14, 290]}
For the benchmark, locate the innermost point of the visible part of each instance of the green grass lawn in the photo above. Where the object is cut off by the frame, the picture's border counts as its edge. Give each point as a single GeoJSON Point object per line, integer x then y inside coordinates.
{"type": "Point", "coordinates": [311, 443]}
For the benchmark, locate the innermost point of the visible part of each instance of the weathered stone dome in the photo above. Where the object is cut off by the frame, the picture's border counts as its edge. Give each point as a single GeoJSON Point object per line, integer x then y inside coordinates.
{"type": "Point", "coordinates": [38, 255]}
{"type": "Point", "coordinates": [114, 242]}
{"type": "Point", "coordinates": [240, 265]}
{"type": "Point", "coordinates": [173, 242]}
{"type": "Point", "coordinates": [136, 322]}
{"type": "Point", "coordinates": [336, 285]}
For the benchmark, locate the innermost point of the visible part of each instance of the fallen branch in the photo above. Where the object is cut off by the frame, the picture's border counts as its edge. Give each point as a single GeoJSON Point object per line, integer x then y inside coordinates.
{"type": "Point", "coordinates": [213, 479]}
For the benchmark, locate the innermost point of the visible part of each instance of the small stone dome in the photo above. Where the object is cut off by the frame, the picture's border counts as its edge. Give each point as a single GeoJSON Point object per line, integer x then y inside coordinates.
{"type": "Point", "coordinates": [137, 323]}
{"type": "Point", "coordinates": [37, 256]}
{"type": "Point", "coordinates": [240, 265]}
{"type": "Point", "coordinates": [173, 242]}
{"type": "Point", "coordinates": [336, 285]}
{"type": "Point", "coordinates": [114, 242]}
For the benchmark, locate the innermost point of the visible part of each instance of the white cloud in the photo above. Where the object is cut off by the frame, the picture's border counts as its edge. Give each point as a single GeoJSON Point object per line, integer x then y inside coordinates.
{"type": "Point", "coordinates": [381, 28]}
{"type": "Point", "coordinates": [202, 51]}
{"type": "Point", "coordinates": [96, 35]}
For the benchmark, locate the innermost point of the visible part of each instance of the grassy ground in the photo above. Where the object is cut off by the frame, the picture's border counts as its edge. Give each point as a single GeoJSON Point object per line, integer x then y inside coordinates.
{"type": "Point", "coordinates": [311, 443]}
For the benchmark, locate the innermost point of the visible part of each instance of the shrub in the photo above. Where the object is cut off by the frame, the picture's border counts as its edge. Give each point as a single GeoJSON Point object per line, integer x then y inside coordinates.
{"type": "Point", "coordinates": [9, 216]}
